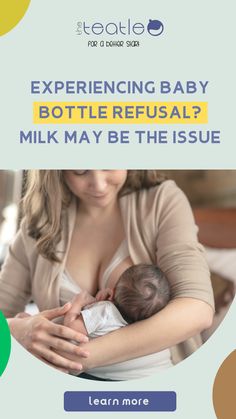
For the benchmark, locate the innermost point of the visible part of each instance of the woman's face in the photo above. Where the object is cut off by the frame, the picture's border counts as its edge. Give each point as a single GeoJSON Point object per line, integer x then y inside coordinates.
{"type": "Point", "coordinates": [95, 187]}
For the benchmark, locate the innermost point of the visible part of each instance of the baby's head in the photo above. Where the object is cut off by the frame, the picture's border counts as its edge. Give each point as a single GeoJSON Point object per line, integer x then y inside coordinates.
{"type": "Point", "coordinates": [141, 291]}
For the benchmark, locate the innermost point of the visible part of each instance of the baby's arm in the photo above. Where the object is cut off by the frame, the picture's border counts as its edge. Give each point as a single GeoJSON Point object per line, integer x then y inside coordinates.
{"type": "Point", "coordinates": [77, 325]}
{"type": "Point", "coordinates": [79, 301]}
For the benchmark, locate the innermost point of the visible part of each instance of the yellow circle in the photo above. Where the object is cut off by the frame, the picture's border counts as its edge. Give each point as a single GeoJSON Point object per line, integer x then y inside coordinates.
{"type": "Point", "coordinates": [11, 12]}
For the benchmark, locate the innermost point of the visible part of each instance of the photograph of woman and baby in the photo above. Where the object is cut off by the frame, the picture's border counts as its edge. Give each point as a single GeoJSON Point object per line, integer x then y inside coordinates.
{"type": "Point", "coordinates": [112, 260]}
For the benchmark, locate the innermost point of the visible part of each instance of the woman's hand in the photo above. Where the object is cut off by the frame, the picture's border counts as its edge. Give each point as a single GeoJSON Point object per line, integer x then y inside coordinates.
{"type": "Point", "coordinates": [22, 315]}
{"type": "Point", "coordinates": [40, 336]}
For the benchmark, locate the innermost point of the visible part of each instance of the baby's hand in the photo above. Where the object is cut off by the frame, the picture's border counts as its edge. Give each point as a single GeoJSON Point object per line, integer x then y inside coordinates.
{"type": "Point", "coordinates": [106, 294]}
{"type": "Point", "coordinates": [78, 303]}
{"type": "Point", "coordinates": [70, 317]}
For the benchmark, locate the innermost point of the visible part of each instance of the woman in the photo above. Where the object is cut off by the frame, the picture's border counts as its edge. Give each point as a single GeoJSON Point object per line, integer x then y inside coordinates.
{"type": "Point", "coordinates": [75, 220]}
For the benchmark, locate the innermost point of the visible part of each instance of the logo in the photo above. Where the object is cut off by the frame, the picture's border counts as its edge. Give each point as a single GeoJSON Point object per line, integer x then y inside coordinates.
{"type": "Point", "coordinates": [155, 27]}
{"type": "Point", "coordinates": [120, 28]}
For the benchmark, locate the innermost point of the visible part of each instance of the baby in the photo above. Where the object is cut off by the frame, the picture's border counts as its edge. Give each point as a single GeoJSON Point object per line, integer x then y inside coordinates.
{"type": "Point", "coordinates": [141, 291]}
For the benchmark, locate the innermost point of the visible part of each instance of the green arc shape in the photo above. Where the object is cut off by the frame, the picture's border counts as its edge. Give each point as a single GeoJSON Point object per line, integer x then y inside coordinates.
{"type": "Point", "coordinates": [5, 343]}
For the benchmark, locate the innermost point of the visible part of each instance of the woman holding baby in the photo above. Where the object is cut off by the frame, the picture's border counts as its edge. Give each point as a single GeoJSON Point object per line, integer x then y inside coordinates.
{"type": "Point", "coordinates": [81, 229]}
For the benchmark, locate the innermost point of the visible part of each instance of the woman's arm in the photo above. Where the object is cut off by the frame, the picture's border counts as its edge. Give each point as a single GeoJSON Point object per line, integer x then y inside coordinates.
{"type": "Point", "coordinates": [178, 321]}
{"type": "Point", "coordinates": [38, 334]}
{"type": "Point", "coordinates": [171, 225]}
{"type": "Point", "coordinates": [15, 278]}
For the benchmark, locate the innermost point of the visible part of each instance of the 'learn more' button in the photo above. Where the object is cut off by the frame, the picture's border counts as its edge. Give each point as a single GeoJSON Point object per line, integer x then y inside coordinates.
{"type": "Point", "coordinates": [126, 401]}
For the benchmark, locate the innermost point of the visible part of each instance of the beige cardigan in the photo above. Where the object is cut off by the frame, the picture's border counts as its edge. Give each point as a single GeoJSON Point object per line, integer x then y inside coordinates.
{"type": "Point", "coordinates": [160, 229]}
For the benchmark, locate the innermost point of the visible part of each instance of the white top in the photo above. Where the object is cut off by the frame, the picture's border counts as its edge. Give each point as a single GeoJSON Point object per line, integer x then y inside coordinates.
{"type": "Point", "coordinates": [103, 317]}
{"type": "Point", "coordinates": [121, 254]}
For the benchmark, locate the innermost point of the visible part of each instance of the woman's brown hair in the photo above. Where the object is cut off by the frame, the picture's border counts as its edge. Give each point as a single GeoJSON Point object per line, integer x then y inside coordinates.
{"type": "Point", "coordinates": [47, 197]}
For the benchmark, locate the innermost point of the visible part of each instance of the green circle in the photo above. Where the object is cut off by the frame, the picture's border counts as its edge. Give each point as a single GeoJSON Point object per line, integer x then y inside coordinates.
{"type": "Point", "coordinates": [5, 343]}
